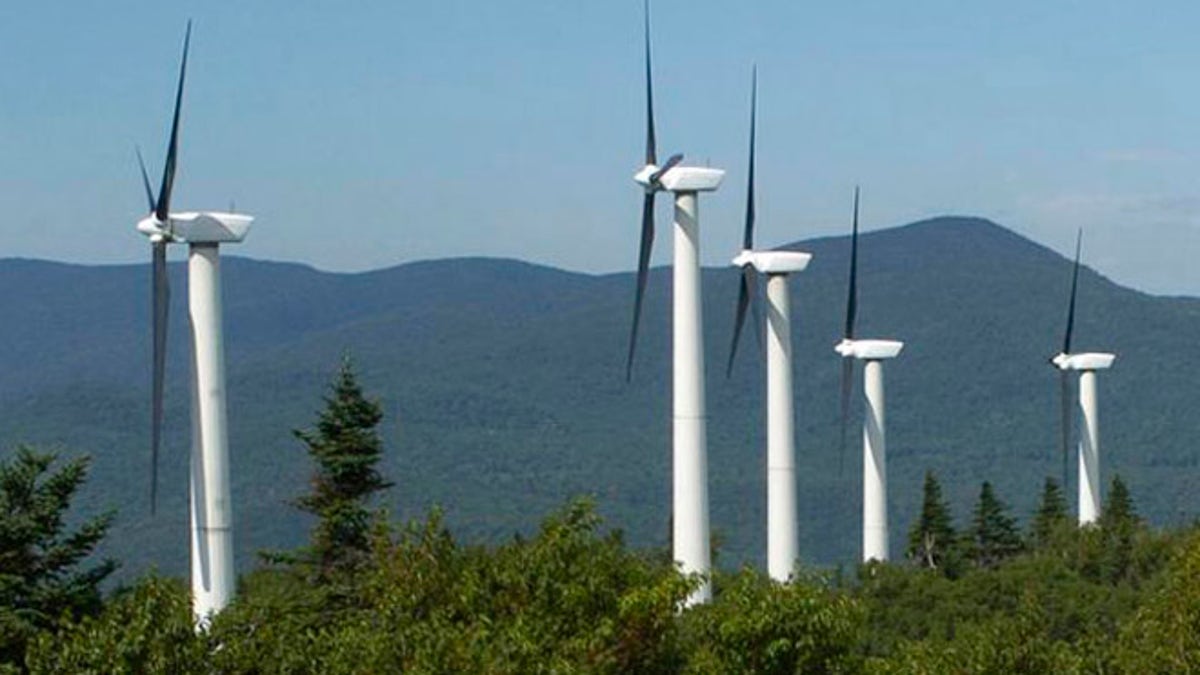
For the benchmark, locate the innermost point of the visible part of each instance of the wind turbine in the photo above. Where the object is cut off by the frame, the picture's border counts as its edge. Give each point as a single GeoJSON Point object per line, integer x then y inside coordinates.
{"type": "Point", "coordinates": [873, 353]}
{"type": "Point", "coordinates": [210, 509]}
{"type": "Point", "coordinates": [690, 528]}
{"type": "Point", "coordinates": [1086, 364]}
{"type": "Point", "coordinates": [783, 548]}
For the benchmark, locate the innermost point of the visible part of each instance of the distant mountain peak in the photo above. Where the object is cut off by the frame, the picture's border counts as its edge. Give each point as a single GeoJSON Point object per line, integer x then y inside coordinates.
{"type": "Point", "coordinates": [948, 235]}
{"type": "Point", "coordinates": [953, 221]}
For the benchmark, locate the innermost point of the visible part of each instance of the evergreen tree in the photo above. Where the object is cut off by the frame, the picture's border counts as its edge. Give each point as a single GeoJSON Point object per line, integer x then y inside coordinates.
{"type": "Point", "coordinates": [1119, 524]}
{"type": "Point", "coordinates": [1051, 515]}
{"type": "Point", "coordinates": [993, 536]}
{"type": "Point", "coordinates": [1118, 510]}
{"type": "Point", "coordinates": [40, 575]}
{"type": "Point", "coordinates": [346, 447]}
{"type": "Point", "coordinates": [931, 540]}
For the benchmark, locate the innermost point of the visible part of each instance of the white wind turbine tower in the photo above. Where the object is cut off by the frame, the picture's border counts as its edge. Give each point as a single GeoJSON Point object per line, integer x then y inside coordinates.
{"type": "Point", "coordinates": [1086, 364]}
{"type": "Point", "coordinates": [690, 529]}
{"type": "Point", "coordinates": [873, 353]}
{"type": "Point", "coordinates": [783, 549]}
{"type": "Point", "coordinates": [211, 514]}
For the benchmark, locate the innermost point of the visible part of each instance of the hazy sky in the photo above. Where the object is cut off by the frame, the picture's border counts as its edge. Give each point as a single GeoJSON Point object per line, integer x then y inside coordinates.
{"type": "Point", "coordinates": [365, 134]}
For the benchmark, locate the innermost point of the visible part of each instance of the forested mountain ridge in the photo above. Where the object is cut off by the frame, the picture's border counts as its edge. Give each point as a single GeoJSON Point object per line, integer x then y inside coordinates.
{"type": "Point", "coordinates": [503, 387]}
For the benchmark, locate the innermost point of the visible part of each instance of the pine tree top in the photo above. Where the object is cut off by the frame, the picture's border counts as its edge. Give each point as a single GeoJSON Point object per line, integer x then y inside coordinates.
{"type": "Point", "coordinates": [1051, 513]}
{"type": "Point", "coordinates": [1118, 509]}
{"type": "Point", "coordinates": [346, 448]}
{"type": "Point", "coordinates": [932, 541]}
{"type": "Point", "coordinates": [993, 534]}
{"type": "Point", "coordinates": [39, 559]}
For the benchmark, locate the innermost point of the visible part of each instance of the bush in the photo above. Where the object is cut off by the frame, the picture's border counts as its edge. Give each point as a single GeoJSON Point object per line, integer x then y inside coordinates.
{"type": "Point", "coordinates": [756, 625]}
{"type": "Point", "coordinates": [145, 629]}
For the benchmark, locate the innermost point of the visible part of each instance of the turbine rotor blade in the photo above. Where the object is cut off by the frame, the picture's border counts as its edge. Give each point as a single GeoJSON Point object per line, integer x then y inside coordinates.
{"type": "Point", "coordinates": [647, 241]}
{"type": "Point", "coordinates": [848, 334]}
{"type": "Point", "coordinates": [163, 207]}
{"type": "Point", "coordinates": [756, 314]}
{"type": "Point", "coordinates": [847, 389]}
{"type": "Point", "coordinates": [746, 282]}
{"type": "Point", "coordinates": [670, 164]}
{"type": "Point", "coordinates": [1065, 428]}
{"type": "Point", "coordinates": [852, 294]}
{"type": "Point", "coordinates": [748, 232]}
{"type": "Point", "coordinates": [642, 274]}
{"type": "Point", "coordinates": [145, 178]}
{"type": "Point", "coordinates": [743, 303]}
{"type": "Point", "coordinates": [651, 145]}
{"type": "Point", "coordinates": [1074, 288]}
{"type": "Point", "coordinates": [161, 302]}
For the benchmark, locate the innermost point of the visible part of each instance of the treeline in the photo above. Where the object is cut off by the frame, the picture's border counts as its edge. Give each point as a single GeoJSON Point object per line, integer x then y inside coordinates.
{"type": "Point", "coordinates": [1113, 597]}
{"type": "Point", "coordinates": [368, 595]}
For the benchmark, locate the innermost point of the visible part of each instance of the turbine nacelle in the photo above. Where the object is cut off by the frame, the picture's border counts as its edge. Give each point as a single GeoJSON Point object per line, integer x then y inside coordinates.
{"type": "Point", "coordinates": [869, 350]}
{"type": "Point", "coordinates": [209, 227]}
{"type": "Point", "coordinates": [645, 178]}
{"type": "Point", "coordinates": [155, 230]}
{"type": "Point", "coordinates": [691, 179]}
{"type": "Point", "coordinates": [1084, 361]}
{"type": "Point", "coordinates": [774, 262]}
{"type": "Point", "coordinates": [679, 178]}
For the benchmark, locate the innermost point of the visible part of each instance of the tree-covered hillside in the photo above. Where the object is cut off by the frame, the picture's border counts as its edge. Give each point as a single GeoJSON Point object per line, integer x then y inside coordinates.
{"type": "Point", "coordinates": [503, 391]}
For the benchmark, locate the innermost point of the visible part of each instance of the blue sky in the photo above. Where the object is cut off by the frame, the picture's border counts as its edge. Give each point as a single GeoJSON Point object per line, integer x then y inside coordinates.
{"type": "Point", "coordinates": [367, 134]}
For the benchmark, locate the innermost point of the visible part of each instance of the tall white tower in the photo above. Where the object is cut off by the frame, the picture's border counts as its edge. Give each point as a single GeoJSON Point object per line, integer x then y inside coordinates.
{"type": "Point", "coordinates": [689, 418]}
{"type": "Point", "coordinates": [1089, 438]}
{"type": "Point", "coordinates": [875, 519]}
{"type": "Point", "coordinates": [783, 548]}
{"type": "Point", "coordinates": [211, 515]}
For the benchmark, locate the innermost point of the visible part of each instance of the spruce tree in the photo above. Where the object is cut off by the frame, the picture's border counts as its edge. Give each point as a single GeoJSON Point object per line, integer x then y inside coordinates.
{"type": "Point", "coordinates": [993, 536]}
{"type": "Point", "coordinates": [931, 540]}
{"type": "Point", "coordinates": [1119, 524]}
{"type": "Point", "coordinates": [41, 577]}
{"type": "Point", "coordinates": [1118, 510]}
{"type": "Point", "coordinates": [1051, 515]}
{"type": "Point", "coordinates": [346, 448]}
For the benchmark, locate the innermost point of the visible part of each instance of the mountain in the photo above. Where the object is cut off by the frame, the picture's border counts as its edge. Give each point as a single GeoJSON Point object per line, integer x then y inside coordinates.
{"type": "Point", "coordinates": [504, 393]}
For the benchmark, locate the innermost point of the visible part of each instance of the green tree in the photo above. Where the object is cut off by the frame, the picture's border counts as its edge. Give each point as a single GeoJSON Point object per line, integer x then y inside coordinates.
{"type": "Point", "coordinates": [755, 625]}
{"type": "Point", "coordinates": [346, 448]}
{"type": "Point", "coordinates": [1014, 642]}
{"type": "Point", "coordinates": [993, 536]}
{"type": "Point", "coordinates": [1119, 528]}
{"type": "Point", "coordinates": [1051, 515]}
{"type": "Point", "coordinates": [1119, 511]}
{"type": "Point", "coordinates": [932, 541]}
{"type": "Point", "coordinates": [41, 576]}
{"type": "Point", "coordinates": [567, 599]}
{"type": "Point", "coordinates": [148, 628]}
{"type": "Point", "coordinates": [1164, 635]}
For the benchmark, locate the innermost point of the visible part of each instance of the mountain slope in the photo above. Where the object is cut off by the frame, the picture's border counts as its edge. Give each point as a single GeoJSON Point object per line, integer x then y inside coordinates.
{"type": "Point", "coordinates": [503, 387]}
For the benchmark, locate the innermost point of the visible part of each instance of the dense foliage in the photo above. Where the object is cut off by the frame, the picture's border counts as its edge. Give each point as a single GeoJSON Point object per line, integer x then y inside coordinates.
{"type": "Point", "coordinates": [572, 598]}
{"type": "Point", "coordinates": [41, 576]}
{"type": "Point", "coordinates": [1113, 597]}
